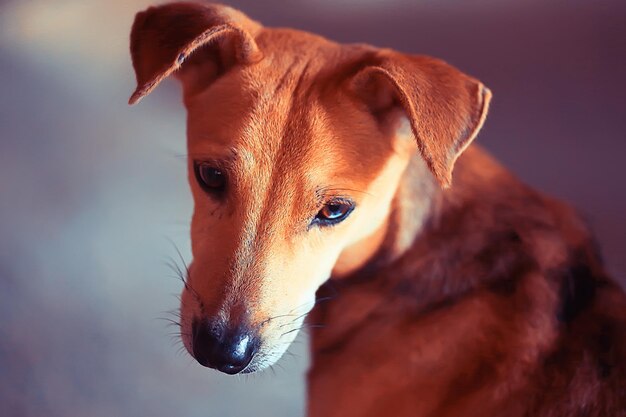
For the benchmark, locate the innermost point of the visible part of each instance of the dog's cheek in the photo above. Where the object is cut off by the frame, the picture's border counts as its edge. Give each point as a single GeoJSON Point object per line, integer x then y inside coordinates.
{"type": "Point", "coordinates": [369, 226]}
{"type": "Point", "coordinates": [294, 277]}
{"type": "Point", "coordinates": [356, 254]}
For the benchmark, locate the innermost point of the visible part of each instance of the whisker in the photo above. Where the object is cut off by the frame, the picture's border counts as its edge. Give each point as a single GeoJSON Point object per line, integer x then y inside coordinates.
{"type": "Point", "coordinates": [291, 331]}
{"type": "Point", "coordinates": [184, 275]}
{"type": "Point", "coordinates": [174, 312]}
{"type": "Point", "coordinates": [306, 327]}
{"type": "Point", "coordinates": [319, 300]}
{"type": "Point", "coordinates": [170, 322]}
{"type": "Point", "coordinates": [181, 350]}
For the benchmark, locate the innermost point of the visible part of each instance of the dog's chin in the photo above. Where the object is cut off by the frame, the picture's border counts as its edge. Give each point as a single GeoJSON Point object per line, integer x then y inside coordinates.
{"type": "Point", "coordinates": [265, 359]}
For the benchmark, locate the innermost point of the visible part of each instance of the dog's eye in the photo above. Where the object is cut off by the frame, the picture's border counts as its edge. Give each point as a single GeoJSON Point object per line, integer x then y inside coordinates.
{"type": "Point", "coordinates": [333, 213]}
{"type": "Point", "coordinates": [210, 178]}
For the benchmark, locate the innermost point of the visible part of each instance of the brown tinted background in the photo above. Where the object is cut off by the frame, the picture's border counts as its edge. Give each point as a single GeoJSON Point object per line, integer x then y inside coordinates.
{"type": "Point", "coordinates": [92, 191]}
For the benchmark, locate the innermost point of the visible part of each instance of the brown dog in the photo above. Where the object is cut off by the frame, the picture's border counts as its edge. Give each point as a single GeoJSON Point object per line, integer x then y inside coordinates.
{"type": "Point", "coordinates": [309, 160]}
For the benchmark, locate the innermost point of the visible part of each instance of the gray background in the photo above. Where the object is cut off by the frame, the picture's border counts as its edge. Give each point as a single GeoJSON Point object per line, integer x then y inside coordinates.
{"type": "Point", "coordinates": [92, 191]}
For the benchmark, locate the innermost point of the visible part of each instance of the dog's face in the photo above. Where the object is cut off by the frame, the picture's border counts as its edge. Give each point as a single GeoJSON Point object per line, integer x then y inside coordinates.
{"type": "Point", "coordinates": [296, 148]}
{"type": "Point", "coordinates": [284, 180]}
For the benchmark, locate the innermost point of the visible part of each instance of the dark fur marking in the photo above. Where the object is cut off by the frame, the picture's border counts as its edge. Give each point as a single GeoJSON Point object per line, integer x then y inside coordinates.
{"type": "Point", "coordinates": [605, 360]}
{"type": "Point", "coordinates": [604, 369]}
{"type": "Point", "coordinates": [500, 263]}
{"type": "Point", "coordinates": [507, 261]}
{"type": "Point", "coordinates": [505, 286]}
{"type": "Point", "coordinates": [578, 289]}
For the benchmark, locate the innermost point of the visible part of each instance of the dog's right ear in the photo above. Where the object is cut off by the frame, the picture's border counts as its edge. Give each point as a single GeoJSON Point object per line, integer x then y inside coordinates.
{"type": "Point", "coordinates": [445, 107]}
{"type": "Point", "coordinates": [201, 41]}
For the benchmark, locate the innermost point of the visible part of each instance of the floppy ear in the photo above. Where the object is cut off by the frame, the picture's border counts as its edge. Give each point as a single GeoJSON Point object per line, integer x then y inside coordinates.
{"type": "Point", "coordinates": [201, 40]}
{"type": "Point", "coordinates": [445, 107]}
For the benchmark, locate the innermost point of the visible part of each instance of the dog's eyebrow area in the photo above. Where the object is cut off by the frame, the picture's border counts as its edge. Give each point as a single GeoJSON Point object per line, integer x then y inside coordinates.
{"type": "Point", "coordinates": [323, 194]}
{"type": "Point", "coordinates": [224, 158]}
{"type": "Point", "coordinates": [217, 162]}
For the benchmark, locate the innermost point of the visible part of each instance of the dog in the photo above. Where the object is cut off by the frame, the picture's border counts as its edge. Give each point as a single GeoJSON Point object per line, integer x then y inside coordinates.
{"type": "Point", "coordinates": [322, 178]}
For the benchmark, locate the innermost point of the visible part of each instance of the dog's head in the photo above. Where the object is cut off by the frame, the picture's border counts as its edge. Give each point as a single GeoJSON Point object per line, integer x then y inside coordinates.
{"type": "Point", "coordinates": [296, 148]}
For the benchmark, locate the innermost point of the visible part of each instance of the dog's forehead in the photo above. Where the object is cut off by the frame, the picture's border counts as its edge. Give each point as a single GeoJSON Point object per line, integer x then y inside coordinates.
{"type": "Point", "coordinates": [273, 86]}
{"type": "Point", "coordinates": [259, 112]}
{"type": "Point", "coordinates": [280, 87]}
{"type": "Point", "coordinates": [283, 110]}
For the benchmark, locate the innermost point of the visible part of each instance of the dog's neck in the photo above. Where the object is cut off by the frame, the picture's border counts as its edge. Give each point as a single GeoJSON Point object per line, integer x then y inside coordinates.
{"type": "Point", "coordinates": [420, 209]}
{"type": "Point", "coordinates": [417, 199]}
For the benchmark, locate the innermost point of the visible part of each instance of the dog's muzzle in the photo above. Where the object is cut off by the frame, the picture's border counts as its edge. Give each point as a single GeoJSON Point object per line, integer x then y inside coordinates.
{"type": "Point", "coordinates": [229, 350]}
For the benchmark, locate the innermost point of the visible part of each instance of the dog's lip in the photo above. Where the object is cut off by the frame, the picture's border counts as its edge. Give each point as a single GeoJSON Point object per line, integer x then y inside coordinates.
{"type": "Point", "coordinates": [249, 369]}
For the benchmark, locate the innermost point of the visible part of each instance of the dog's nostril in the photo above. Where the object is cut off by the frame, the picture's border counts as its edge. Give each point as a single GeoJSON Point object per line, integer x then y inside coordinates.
{"type": "Point", "coordinates": [229, 351]}
{"type": "Point", "coordinates": [205, 339]}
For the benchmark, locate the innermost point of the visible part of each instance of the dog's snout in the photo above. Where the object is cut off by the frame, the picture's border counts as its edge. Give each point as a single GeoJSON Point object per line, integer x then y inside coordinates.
{"type": "Point", "coordinates": [227, 350]}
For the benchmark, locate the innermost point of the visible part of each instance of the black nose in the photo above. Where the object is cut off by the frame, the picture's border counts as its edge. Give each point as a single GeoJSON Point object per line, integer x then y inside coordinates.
{"type": "Point", "coordinates": [227, 350]}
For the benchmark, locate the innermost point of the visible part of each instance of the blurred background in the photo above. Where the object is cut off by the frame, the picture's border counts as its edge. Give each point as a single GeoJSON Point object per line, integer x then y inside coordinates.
{"type": "Point", "coordinates": [93, 194]}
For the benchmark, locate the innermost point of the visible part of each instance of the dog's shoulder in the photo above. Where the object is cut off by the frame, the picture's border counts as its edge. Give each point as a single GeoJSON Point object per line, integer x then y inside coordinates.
{"type": "Point", "coordinates": [498, 226]}
{"type": "Point", "coordinates": [526, 245]}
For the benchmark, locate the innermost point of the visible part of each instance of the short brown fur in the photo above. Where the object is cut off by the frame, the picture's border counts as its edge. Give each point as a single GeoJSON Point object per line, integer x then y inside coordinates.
{"type": "Point", "coordinates": [472, 297]}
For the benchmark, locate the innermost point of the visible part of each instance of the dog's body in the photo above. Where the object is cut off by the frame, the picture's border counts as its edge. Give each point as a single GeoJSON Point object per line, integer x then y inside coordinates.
{"type": "Point", "coordinates": [484, 298]}
{"type": "Point", "coordinates": [500, 307]}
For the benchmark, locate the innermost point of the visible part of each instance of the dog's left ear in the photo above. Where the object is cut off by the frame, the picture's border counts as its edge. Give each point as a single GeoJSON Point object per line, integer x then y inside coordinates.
{"type": "Point", "coordinates": [445, 107]}
{"type": "Point", "coordinates": [197, 42]}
